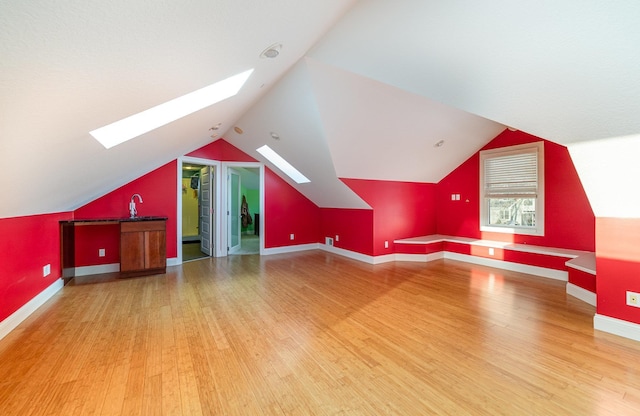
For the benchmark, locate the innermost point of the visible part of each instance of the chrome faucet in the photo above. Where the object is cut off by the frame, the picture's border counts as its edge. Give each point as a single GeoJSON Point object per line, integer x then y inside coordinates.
{"type": "Point", "coordinates": [132, 205]}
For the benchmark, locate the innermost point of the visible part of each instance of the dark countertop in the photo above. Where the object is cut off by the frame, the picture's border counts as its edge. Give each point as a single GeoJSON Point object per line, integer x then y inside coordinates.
{"type": "Point", "coordinates": [98, 221]}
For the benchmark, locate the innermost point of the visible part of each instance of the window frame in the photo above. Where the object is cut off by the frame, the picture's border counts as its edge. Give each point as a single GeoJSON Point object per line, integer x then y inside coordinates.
{"type": "Point", "coordinates": [538, 229]}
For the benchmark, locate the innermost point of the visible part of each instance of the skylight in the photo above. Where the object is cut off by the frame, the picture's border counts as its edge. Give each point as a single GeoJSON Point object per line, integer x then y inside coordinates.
{"type": "Point", "coordinates": [282, 164]}
{"type": "Point", "coordinates": [145, 121]}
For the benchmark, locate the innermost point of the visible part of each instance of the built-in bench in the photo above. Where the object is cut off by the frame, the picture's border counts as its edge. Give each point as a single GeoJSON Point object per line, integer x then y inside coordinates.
{"type": "Point", "coordinates": [576, 267]}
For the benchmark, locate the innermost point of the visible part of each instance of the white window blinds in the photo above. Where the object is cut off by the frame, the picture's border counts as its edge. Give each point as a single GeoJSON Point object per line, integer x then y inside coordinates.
{"type": "Point", "coordinates": [511, 175]}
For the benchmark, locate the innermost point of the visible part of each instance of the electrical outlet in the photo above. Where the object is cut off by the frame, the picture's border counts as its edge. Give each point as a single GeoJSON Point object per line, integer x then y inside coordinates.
{"type": "Point", "coordinates": [633, 299]}
{"type": "Point", "coordinates": [337, 237]}
{"type": "Point", "coordinates": [328, 241]}
{"type": "Point", "coordinates": [101, 252]}
{"type": "Point", "coordinates": [386, 244]}
{"type": "Point", "coordinates": [491, 251]}
{"type": "Point", "coordinates": [46, 270]}
{"type": "Point", "coordinates": [291, 236]}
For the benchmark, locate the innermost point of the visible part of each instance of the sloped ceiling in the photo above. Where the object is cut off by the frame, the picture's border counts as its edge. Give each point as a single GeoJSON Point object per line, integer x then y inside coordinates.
{"type": "Point", "coordinates": [361, 89]}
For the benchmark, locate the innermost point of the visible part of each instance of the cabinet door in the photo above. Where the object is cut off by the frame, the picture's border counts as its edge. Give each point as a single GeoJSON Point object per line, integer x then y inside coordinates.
{"type": "Point", "coordinates": [131, 251]}
{"type": "Point", "coordinates": [155, 250]}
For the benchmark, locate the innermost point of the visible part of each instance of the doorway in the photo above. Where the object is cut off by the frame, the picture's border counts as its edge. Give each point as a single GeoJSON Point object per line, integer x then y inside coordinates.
{"type": "Point", "coordinates": [244, 206]}
{"type": "Point", "coordinates": [197, 210]}
{"type": "Point", "coordinates": [213, 213]}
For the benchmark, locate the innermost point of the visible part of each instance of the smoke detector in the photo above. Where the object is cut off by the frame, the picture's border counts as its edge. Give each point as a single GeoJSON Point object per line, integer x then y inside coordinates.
{"type": "Point", "coordinates": [272, 51]}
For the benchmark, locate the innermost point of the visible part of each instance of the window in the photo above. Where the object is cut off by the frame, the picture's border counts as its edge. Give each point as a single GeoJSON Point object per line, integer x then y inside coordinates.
{"type": "Point", "coordinates": [512, 189]}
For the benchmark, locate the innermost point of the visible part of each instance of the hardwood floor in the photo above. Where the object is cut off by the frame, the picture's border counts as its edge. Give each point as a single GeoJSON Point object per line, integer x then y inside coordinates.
{"type": "Point", "coordinates": [317, 334]}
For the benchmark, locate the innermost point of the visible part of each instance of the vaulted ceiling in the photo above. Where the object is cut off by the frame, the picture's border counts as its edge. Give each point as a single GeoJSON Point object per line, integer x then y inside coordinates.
{"type": "Point", "coordinates": [361, 89]}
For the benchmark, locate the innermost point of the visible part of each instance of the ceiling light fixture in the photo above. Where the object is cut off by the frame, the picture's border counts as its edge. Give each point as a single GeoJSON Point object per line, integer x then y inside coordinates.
{"type": "Point", "coordinates": [272, 51]}
{"type": "Point", "coordinates": [439, 144]}
{"type": "Point", "coordinates": [145, 121]}
{"type": "Point", "coordinates": [238, 130]}
{"type": "Point", "coordinates": [282, 164]}
{"type": "Point", "coordinates": [275, 136]}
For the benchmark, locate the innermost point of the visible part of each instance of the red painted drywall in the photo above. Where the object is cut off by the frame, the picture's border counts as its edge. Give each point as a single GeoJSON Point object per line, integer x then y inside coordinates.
{"type": "Point", "coordinates": [582, 279]}
{"type": "Point", "coordinates": [353, 228]}
{"type": "Point", "coordinates": [91, 238]}
{"type": "Point", "coordinates": [618, 266]}
{"type": "Point", "coordinates": [569, 220]}
{"type": "Point", "coordinates": [27, 245]}
{"type": "Point", "coordinates": [429, 248]}
{"type": "Point", "coordinates": [288, 212]}
{"type": "Point", "coordinates": [400, 209]}
{"type": "Point", "coordinates": [223, 151]}
{"type": "Point", "coordinates": [513, 256]}
{"type": "Point", "coordinates": [158, 190]}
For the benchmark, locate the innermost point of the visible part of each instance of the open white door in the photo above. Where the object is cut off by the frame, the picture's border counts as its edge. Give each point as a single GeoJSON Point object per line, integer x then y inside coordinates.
{"type": "Point", "coordinates": [233, 211]}
{"type": "Point", "coordinates": [205, 210]}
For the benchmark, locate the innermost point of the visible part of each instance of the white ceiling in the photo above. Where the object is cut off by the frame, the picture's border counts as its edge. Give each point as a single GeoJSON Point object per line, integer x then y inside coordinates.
{"type": "Point", "coordinates": [362, 89]}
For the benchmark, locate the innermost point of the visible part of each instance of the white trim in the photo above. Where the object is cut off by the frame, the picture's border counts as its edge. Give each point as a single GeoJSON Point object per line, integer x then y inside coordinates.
{"type": "Point", "coordinates": [582, 294]}
{"type": "Point", "coordinates": [524, 248]}
{"type": "Point", "coordinates": [99, 269]}
{"type": "Point", "coordinates": [617, 327]}
{"type": "Point", "coordinates": [425, 258]}
{"type": "Point", "coordinates": [385, 258]}
{"type": "Point", "coordinates": [111, 268]}
{"type": "Point", "coordinates": [16, 318]}
{"type": "Point", "coordinates": [347, 253]}
{"type": "Point", "coordinates": [288, 249]}
{"type": "Point", "coordinates": [499, 264]}
{"type": "Point", "coordinates": [507, 265]}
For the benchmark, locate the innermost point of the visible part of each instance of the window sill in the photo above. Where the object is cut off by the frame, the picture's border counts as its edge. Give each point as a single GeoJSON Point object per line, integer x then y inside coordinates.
{"type": "Point", "coordinates": [512, 230]}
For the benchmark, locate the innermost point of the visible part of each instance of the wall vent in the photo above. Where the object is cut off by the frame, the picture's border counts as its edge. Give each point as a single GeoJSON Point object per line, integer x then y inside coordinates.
{"type": "Point", "coordinates": [328, 241]}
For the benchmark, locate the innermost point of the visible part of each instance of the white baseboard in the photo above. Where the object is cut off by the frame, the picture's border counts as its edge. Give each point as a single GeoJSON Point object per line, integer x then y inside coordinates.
{"type": "Point", "coordinates": [582, 294]}
{"type": "Point", "coordinates": [499, 264]}
{"type": "Point", "coordinates": [288, 249]}
{"type": "Point", "coordinates": [423, 258]}
{"type": "Point", "coordinates": [507, 265]}
{"type": "Point", "coordinates": [348, 253]}
{"type": "Point", "coordinates": [617, 327]}
{"type": "Point", "coordinates": [111, 268]}
{"type": "Point", "coordinates": [28, 308]}
{"type": "Point", "coordinates": [100, 268]}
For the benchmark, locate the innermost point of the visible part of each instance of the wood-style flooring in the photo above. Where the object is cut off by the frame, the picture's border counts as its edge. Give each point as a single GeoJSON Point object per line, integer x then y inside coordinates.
{"type": "Point", "coordinates": [313, 333]}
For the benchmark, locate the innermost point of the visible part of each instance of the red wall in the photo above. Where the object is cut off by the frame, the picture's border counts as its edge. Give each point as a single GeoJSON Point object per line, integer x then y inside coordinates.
{"type": "Point", "coordinates": [353, 226]}
{"type": "Point", "coordinates": [400, 210]}
{"type": "Point", "coordinates": [158, 190]}
{"type": "Point", "coordinates": [569, 220]}
{"type": "Point", "coordinates": [582, 279]}
{"type": "Point", "coordinates": [618, 266]}
{"type": "Point", "coordinates": [223, 151]}
{"type": "Point", "coordinates": [288, 212]}
{"type": "Point", "coordinates": [28, 244]}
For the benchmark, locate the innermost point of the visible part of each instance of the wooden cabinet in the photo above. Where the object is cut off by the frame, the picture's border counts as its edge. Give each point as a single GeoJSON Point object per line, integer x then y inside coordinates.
{"type": "Point", "coordinates": [142, 247]}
